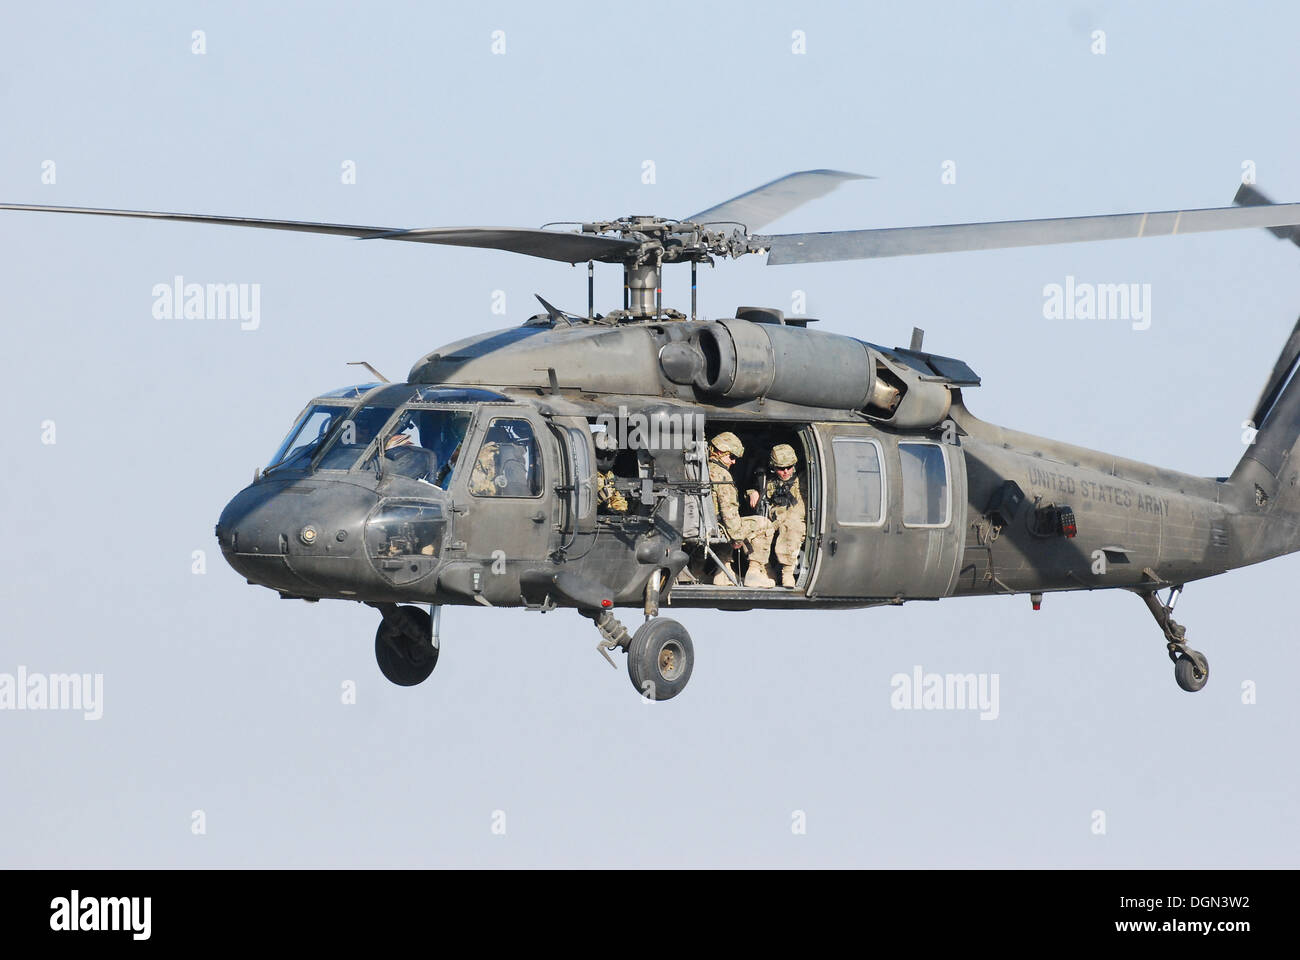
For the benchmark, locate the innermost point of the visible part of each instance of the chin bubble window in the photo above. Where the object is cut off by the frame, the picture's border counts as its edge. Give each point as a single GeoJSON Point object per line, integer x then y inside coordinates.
{"type": "Point", "coordinates": [403, 539]}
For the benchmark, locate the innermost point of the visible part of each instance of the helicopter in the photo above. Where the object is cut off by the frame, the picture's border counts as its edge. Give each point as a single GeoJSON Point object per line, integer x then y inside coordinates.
{"type": "Point", "coordinates": [478, 480]}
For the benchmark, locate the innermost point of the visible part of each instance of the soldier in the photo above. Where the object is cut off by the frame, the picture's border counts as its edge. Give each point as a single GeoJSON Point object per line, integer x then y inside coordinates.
{"type": "Point", "coordinates": [409, 459]}
{"type": "Point", "coordinates": [609, 499]}
{"type": "Point", "coordinates": [785, 507]}
{"type": "Point", "coordinates": [483, 479]}
{"type": "Point", "coordinates": [724, 450]}
{"type": "Point", "coordinates": [440, 478]}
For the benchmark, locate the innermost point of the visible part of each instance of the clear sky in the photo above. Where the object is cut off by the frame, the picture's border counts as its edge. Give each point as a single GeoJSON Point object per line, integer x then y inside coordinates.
{"type": "Point", "coordinates": [219, 697]}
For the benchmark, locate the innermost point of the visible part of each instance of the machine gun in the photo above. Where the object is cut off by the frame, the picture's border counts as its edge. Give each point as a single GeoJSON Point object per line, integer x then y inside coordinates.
{"type": "Point", "coordinates": [763, 509]}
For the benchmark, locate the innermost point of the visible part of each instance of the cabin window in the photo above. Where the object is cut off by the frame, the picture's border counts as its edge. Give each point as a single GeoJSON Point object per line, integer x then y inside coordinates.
{"type": "Point", "coordinates": [859, 482]}
{"type": "Point", "coordinates": [508, 463]}
{"type": "Point", "coordinates": [926, 495]}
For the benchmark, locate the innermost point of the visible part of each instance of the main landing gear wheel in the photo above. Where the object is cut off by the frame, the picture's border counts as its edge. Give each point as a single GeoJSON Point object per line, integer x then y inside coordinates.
{"type": "Point", "coordinates": [660, 659]}
{"type": "Point", "coordinates": [404, 647]}
{"type": "Point", "coordinates": [1191, 670]}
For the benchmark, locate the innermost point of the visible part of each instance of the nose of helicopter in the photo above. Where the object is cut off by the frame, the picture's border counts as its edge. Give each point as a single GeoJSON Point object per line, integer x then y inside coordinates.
{"type": "Point", "coordinates": [303, 537]}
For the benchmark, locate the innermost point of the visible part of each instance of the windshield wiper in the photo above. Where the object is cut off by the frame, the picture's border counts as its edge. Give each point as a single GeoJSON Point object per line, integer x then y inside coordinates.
{"type": "Point", "coordinates": [327, 442]}
{"type": "Point", "coordinates": [283, 461]}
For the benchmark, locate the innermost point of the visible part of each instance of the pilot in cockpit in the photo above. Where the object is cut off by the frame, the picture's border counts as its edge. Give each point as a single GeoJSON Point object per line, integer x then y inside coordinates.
{"type": "Point", "coordinates": [406, 457]}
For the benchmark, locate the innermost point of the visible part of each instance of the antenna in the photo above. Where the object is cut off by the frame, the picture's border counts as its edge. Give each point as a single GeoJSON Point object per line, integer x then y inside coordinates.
{"type": "Point", "coordinates": [555, 313]}
{"type": "Point", "coordinates": [362, 363]}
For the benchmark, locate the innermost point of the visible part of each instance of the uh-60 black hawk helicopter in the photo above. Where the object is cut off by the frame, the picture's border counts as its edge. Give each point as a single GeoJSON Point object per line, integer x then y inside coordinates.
{"type": "Point", "coordinates": [476, 481]}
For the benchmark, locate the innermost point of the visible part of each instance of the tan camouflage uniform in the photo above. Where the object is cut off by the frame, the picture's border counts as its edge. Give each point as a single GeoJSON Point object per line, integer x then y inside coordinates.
{"type": "Point", "coordinates": [482, 479]}
{"type": "Point", "coordinates": [757, 530]}
{"type": "Point", "coordinates": [790, 524]}
{"type": "Point", "coordinates": [609, 498]}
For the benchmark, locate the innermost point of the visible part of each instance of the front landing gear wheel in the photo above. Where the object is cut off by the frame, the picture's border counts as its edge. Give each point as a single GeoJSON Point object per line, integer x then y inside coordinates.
{"type": "Point", "coordinates": [404, 648]}
{"type": "Point", "coordinates": [660, 659]}
{"type": "Point", "coordinates": [1191, 672]}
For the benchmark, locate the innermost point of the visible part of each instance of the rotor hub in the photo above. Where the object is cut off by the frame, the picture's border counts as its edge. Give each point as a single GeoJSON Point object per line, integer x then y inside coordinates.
{"type": "Point", "coordinates": [672, 241]}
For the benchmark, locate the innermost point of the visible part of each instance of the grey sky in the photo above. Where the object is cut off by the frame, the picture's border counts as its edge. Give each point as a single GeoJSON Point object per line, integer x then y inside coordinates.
{"type": "Point", "coordinates": [222, 698]}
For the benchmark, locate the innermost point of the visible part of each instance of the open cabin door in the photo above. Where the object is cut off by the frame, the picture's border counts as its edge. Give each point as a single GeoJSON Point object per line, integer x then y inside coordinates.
{"type": "Point", "coordinates": [894, 515]}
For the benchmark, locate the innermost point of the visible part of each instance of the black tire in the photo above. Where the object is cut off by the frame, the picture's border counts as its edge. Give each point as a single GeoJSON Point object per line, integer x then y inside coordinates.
{"type": "Point", "coordinates": [402, 647]}
{"type": "Point", "coordinates": [660, 659]}
{"type": "Point", "coordinates": [1188, 675]}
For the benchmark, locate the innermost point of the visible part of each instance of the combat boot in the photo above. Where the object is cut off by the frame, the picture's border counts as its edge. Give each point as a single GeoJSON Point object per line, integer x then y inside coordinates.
{"type": "Point", "coordinates": [756, 576]}
{"type": "Point", "coordinates": [787, 576]}
{"type": "Point", "coordinates": [720, 579]}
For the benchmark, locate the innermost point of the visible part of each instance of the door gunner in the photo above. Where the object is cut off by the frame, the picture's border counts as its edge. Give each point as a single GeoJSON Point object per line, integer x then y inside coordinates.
{"type": "Point", "coordinates": [724, 450]}
{"type": "Point", "coordinates": [785, 508]}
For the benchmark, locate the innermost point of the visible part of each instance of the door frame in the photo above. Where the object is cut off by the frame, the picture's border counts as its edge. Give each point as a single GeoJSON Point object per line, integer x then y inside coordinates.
{"type": "Point", "coordinates": [521, 512]}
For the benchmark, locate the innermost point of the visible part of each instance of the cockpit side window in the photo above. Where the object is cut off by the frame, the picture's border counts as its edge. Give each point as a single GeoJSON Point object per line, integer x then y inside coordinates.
{"type": "Point", "coordinates": [508, 463]}
{"type": "Point", "coordinates": [424, 444]}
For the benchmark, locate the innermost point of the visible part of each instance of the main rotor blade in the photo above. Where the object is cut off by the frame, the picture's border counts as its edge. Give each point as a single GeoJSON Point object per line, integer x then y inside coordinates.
{"type": "Point", "coordinates": [948, 238]}
{"type": "Point", "coordinates": [550, 244]}
{"type": "Point", "coordinates": [299, 226]}
{"type": "Point", "coordinates": [1248, 196]}
{"type": "Point", "coordinates": [762, 205]}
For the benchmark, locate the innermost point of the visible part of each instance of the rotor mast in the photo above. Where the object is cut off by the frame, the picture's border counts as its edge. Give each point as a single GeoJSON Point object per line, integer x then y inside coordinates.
{"type": "Point", "coordinates": [658, 242]}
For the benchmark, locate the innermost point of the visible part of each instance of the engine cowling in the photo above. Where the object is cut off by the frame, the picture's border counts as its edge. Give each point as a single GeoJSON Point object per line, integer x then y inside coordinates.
{"type": "Point", "coordinates": [740, 360]}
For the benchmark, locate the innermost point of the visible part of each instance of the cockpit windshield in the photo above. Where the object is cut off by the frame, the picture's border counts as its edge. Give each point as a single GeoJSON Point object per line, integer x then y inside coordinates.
{"type": "Point", "coordinates": [351, 438]}
{"type": "Point", "coordinates": [338, 431]}
{"type": "Point", "coordinates": [306, 435]}
{"type": "Point", "coordinates": [416, 439]}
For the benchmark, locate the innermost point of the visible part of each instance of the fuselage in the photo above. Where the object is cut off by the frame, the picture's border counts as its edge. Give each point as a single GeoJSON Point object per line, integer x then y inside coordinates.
{"type": "Point", "coordinates": [897, 510]}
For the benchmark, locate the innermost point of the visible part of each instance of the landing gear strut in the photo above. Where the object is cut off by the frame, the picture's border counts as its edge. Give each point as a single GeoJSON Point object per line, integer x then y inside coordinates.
{"type": "Point", "coordinates": [1191, 668]}
{"type": "Point", "coordinates": [406, 643]}
{"type": "Point", "coordinates": [660, 655]}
